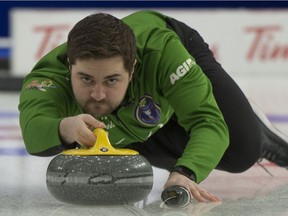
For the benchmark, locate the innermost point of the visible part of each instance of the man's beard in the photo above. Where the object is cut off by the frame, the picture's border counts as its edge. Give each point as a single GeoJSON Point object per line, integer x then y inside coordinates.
{"type": "Point", "coordinates": [98, 109]}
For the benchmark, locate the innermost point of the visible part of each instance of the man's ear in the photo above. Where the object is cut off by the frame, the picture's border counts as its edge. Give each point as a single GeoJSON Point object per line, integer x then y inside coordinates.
{"type": "Point", "coordinates": [131, 75]}
{"type": "Point", "coordinates": [69, 65]}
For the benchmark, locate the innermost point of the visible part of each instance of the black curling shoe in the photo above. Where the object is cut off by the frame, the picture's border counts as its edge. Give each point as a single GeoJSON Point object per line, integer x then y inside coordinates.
{"type": "Point", "coordinates": [275, 144]}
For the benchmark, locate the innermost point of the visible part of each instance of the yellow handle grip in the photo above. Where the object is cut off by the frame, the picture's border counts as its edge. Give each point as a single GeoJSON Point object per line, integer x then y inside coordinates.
{"type": "Point", "coordinates": [102, 146]}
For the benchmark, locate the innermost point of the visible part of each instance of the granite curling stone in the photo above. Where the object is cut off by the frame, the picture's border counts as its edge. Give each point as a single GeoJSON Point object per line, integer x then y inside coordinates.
{"type": "Point", "coordinates": [101, 175]}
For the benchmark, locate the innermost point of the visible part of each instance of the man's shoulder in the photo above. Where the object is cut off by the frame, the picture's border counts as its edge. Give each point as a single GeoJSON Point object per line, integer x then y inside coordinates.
{"type": "Point", "coordinates": [145, 17]}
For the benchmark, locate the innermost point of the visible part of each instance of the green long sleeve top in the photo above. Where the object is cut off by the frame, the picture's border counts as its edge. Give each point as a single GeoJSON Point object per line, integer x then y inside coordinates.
{"type": "Point", "coordinates": [166, 80]}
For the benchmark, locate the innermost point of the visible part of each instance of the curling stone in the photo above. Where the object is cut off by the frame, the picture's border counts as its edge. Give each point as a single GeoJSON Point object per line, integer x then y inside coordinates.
{"type": "Point", "coordinates": [100, 175]}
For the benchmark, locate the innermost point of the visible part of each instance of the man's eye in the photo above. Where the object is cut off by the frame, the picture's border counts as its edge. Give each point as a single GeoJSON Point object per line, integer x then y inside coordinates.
{"type": "Point", "coordinates": [111, 81]}
{"type": "Point", "coordinates": [86, 79]}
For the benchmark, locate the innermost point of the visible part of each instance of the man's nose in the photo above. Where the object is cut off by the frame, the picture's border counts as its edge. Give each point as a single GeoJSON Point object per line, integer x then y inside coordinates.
{"type": "Point", "coordinates": [98, 93]}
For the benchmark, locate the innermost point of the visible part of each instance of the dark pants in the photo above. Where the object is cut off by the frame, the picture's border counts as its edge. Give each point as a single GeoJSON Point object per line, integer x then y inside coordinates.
{"type": "Point", "coordinates": [164, 147]}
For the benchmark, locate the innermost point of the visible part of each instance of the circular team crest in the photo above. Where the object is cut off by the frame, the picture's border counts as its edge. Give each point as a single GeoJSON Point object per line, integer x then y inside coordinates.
{"type": "Point", "coordinates": [147, 111]}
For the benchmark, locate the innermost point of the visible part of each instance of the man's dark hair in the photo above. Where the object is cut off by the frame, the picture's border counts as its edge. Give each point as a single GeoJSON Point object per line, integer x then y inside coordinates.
{"type": "Point", "coordinates": [100, 36]}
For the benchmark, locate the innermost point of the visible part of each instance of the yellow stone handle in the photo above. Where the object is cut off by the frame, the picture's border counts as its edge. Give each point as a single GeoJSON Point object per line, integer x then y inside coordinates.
{"type": "Point", "coordinates": [102, 146]}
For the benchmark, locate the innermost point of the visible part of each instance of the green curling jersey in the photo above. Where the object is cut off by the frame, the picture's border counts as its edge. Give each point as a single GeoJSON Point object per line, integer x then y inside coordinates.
{"type": "Point", "coordinates": [166, 80]}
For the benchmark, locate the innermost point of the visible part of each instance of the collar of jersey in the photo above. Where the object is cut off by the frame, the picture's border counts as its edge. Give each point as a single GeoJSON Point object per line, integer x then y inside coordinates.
{"type": "Point", "coordinates": [129, 97]}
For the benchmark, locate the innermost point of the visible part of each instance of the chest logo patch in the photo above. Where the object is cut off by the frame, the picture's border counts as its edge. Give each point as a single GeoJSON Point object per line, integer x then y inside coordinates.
{"type": "Point", "coordinates": [147, 111]}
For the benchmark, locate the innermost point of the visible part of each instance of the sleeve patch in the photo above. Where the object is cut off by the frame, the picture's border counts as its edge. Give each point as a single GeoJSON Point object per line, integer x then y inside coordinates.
{"type": "Point", "coordinates": [40, 85]}
{"type": "Point", "coordinates": [181, 70]}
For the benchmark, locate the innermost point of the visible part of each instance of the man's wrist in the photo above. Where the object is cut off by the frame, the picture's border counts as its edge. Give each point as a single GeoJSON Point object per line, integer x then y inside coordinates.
{"type": "Point", "coordinates": [66, 146]}
{"type": "Point", "coordinates": [185, 171]}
